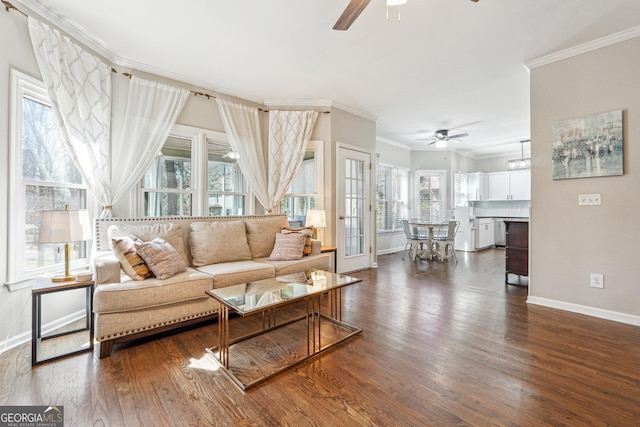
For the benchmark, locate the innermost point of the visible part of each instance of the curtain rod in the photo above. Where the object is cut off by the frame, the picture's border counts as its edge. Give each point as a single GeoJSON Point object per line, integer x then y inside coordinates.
{"type": "Point", "coordinates": [9, 7]}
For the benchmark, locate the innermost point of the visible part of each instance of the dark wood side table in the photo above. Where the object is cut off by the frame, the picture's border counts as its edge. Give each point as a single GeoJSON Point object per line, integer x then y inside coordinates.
{"type": "Point", "coordinates": [516, 249]}
{"type": "Point", "coordinates": [44, 286]}
{"type": "Point", "coordinates": [327, 249]}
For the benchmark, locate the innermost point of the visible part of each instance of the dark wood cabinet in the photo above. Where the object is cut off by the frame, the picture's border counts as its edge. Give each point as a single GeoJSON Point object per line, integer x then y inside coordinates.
{"type": "Point", "coordinates": [517, 249]}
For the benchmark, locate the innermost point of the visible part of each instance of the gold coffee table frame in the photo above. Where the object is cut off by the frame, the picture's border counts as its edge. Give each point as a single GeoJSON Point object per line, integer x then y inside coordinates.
{"type": "Point", "coordinates": [268, 296]}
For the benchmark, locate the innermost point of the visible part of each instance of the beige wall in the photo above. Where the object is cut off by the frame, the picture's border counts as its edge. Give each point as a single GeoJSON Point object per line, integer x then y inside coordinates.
{"type": "Point", "coordinates": [568, 242]}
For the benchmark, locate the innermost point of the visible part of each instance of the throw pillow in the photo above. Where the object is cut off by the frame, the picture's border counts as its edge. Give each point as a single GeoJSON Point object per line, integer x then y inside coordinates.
{"type": "Point", "coordinates": [132, 264]}
{"type": "Point", "coordinates": [219, 241]}
{"type": "Point", "coordinates": [288, 247]}
{"type": "Point", "coordinates": [306, 231]}
{"type": "Point", "coordinates": [162, 258]}
{"type": "Point", "coordinates": [170, 232]}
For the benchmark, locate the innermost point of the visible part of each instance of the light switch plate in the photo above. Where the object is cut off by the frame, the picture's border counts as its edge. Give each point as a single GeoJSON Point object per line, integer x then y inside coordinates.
{"type": "Point", "coordinates": [589, 199]}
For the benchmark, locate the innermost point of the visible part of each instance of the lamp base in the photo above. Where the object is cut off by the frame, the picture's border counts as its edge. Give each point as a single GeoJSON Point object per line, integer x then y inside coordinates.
{"type": "Point", "coordinates": [63, 278]}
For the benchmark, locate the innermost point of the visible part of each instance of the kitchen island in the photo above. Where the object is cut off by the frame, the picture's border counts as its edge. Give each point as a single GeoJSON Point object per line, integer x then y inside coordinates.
{"type": "Point", "coordinates": [516, 251]}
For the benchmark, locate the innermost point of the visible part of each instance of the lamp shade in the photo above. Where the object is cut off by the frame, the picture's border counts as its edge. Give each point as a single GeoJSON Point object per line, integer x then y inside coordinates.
{"type": "Point", "coordinates": [65, 226]}
{"type": "Point", "coordinates": [316, 218]}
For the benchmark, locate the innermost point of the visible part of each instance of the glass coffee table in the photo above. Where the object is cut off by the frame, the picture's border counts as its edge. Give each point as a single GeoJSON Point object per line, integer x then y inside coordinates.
{"type": "Point", "coordinates": [280, 345]}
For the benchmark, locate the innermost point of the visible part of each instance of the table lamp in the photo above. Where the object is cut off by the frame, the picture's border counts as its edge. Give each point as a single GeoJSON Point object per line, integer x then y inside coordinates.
{"type": "Point", "coordinates": [317, 219]}
{"type": "Point", "coordinates": [63, 227]}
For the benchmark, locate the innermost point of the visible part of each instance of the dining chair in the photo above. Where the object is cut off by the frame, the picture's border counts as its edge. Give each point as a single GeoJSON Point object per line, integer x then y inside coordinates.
{"type": "Point", "coordinates": [447, 242]}
{"type": "Point", "coordinates": [413, 240]}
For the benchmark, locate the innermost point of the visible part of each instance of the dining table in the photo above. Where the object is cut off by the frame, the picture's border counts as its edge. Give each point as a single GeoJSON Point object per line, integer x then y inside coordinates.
{"type": "Point", "coordinates": [418, 225]}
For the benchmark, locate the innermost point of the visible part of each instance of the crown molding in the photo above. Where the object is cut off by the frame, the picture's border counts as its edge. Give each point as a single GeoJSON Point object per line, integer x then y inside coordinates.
{"type": "Point", "coordinates": [288, 102]}
{"type": "Point", "coordinates": [392, 143]}
{"type": "Point", "coordinates": [584, 48]}
{"type": "Point", "coordinates": [354, 112]}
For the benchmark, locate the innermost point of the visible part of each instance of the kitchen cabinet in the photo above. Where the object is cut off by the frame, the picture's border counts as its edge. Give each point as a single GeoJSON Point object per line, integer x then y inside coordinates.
{"type": "Point", "coordinates": [509, 185]}
{"type": "Point", "coordinates": [485, 233]}
{"type": "Point", "coordinates": [520, 185]}
{"type": "Point", "coordinates": [477, 186]}
{"type": "Point", "coordinates": [516, 248]}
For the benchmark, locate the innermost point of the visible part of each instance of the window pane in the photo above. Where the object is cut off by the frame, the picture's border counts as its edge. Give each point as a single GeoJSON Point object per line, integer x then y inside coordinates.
{"type": "Point", "coordinates": [37, 199]}
{"type": "Point", "coordinates": [171, 168]}
{"type": "Point", "coordinates": [429, 198]}
{"type": "Point", "coordinates": [305, 180]}
{"type": "Point", "coordinates": [167, 204]}
{"type": "Point", "coordinates": [45, 156]}
{"type": "Point", "coordinates": [295, 208]}
{"type": "Point", "coordinates": [226, 205]}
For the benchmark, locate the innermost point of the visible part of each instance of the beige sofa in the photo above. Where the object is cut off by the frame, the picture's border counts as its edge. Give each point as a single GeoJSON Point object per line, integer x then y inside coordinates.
{"type": "Point", "coordinates": [127, 309]}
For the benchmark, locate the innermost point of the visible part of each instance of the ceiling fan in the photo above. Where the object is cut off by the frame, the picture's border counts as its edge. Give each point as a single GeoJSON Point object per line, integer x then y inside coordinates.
{"type": "Point", "coordinates": [441, 137]}
{"type": "Point", "coordinates": [355, 8]}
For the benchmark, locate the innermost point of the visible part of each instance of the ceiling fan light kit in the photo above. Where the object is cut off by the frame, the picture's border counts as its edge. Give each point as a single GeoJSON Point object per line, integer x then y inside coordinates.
{"type": "Point", "coordinates": [355, 8]}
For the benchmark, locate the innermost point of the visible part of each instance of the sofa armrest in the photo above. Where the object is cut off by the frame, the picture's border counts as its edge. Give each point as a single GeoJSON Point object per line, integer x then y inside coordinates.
{"type": "Point", "coordinates": [107, 268]}
{"type": "Point", "coordinates": [316, 245]}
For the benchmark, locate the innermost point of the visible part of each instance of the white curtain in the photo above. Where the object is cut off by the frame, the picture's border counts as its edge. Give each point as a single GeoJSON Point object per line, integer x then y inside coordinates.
{"type": "Point", "coordinates": [289, 135]}
{"type": "Point", "coordinates": [152, 109]}
{"type": "Point", "coordinates": [79, 85]}
{"type": "Point", "coordinates": [242, 126]}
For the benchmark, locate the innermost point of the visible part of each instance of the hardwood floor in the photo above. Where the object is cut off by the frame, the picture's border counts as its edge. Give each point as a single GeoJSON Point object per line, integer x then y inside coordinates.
{"type": "Point", "coordinates": [443, 344]}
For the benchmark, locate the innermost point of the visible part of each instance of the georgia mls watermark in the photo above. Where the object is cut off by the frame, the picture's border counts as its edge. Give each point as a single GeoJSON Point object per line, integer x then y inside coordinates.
{"type": "Point", "coordinates": [31, 416]}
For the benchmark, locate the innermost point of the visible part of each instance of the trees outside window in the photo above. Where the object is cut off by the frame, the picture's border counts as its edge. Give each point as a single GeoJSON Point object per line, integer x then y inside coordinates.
{"type": "Point", "coordinates": [392, 197]}
{"type": "Point", "coordinates": [43, 177]}
{"type": "Point", "coordinates": [431, 193]}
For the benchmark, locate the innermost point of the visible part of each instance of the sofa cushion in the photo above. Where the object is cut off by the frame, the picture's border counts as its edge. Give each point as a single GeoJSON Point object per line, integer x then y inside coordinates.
{"type": "Point", "coordinates": [288, 247]}
{"type": "Point", "coordinates": [232, 273]}
{"type": "Point", "coordinates": [163, 260]}
{"type": "Point", "coordinates": [313, 262]}
{"type": "Point", "coordinates": [218, 241]}
{"type": "Point", "coordinates": [261, 233]}
{"type": "Point", "coordinates": [133, 295]}
{"type": "Point", "coordinates": [170, 232]}
{"type": "Point", "coordinates": [130, 261]}
{"type": "Point", "coordinates": [306, 231]}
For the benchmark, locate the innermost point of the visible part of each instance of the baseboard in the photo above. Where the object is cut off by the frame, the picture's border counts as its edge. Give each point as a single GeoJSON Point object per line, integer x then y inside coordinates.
{"type": "Point", "coordinates": [390, 251]}
{"type": "Point", "coordinates": [589, 311]}
{"type": "Point", "coordinates": [25, 337]}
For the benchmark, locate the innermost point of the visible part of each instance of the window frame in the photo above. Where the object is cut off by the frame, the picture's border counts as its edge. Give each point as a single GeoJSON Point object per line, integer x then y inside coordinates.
{"type": "Point", "coordinates": [198, 188]}
{"type": "Point", "coordinates": [396, 224]}
{"type": "Point", "coordinates": [23, 85]}
{"type": "Point", "coordinates": [442, 174]}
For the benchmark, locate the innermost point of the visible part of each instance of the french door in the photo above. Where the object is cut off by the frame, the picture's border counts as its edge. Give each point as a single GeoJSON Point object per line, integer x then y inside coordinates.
{"type": "Point", "coordinates": [354, 210]}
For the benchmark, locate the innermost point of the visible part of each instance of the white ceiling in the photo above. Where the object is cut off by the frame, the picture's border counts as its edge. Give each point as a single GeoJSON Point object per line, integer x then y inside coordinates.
{"type": "Point", "coordinates": [450, 64]}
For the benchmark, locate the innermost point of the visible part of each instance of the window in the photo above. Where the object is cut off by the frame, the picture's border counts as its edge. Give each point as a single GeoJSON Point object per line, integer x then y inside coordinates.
{"type": "Point", "coordinates": [225, 185]}
{"type": "Point", "coordinates": [195, 173]}
{"type": "Point", "coordinates": [43, 177]}
{"type": "Point", "coordinates": [392, 197]}
{"type": "Point", "coordinates": [431, 191]}
{"type": "Point", "coordinates": [305, 191]}
{"type": "Point", "coordinates": [167, 182]}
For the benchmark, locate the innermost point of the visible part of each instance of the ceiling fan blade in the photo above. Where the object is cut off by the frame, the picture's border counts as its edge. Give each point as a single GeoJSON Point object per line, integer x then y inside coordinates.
{"type": "Point", "coordinates": [460, 135]}
{"type": "Point", "coordinates": [350, 14]}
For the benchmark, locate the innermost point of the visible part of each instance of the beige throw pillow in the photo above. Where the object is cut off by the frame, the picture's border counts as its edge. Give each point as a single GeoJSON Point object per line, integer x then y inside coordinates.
{"type": "Point", "coordinates": [288, 247]}
{"type": "Point", "coordinates": [169, 232]}
{"type": "Point", "coordinates": [306, 231]}
{"type": "Point", "coordinates": [162, 258]}
{"type": "Point", "coordinates": [218, 241]}
{"type": "Point", "coordinates": [131, 262]}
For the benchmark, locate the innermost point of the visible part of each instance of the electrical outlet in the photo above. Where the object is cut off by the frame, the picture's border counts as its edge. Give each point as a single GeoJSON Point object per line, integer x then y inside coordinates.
{"type": "Point", "coordinates": [589, 199]}
{"type": "Point", "coordinates": [597, 280]}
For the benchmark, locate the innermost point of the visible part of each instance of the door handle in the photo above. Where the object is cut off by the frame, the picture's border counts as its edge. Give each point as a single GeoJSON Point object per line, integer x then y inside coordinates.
{"type": "Point", "coordinates": [341, 217]}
